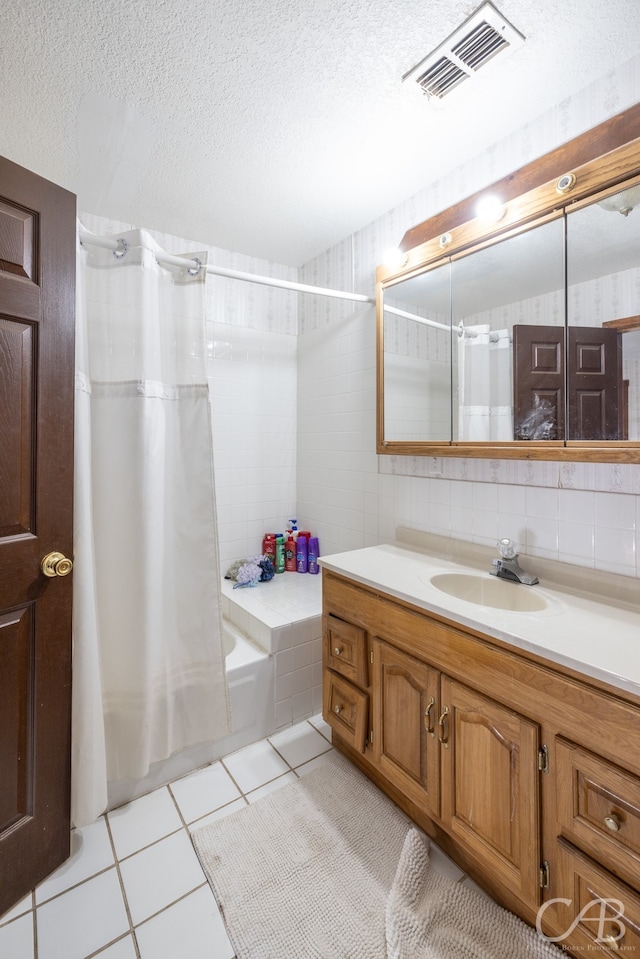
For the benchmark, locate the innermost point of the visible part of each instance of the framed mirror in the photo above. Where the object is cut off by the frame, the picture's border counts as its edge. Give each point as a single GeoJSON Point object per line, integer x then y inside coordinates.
{"type": "Point", "coordinates": [521, 339]}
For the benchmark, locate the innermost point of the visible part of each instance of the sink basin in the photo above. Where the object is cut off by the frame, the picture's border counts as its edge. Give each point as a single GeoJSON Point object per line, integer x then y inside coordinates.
{"type": "Point", "coordinates": [488, 591]}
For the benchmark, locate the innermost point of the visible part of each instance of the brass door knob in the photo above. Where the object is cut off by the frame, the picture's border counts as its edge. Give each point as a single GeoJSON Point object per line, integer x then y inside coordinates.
{"type": "Point", "coordinates": [56, 564]}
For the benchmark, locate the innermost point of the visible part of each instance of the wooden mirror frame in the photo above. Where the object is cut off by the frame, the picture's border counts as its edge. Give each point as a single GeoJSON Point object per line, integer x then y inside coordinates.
{"type": "Point", "coordinates": [599, 159]}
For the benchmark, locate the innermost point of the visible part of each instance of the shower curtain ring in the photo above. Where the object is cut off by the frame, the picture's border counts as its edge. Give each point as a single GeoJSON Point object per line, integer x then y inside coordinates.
{"type": "Point", "coordinates": [123, 249]}
{"type": "Point", "coordinates": [194, 270]}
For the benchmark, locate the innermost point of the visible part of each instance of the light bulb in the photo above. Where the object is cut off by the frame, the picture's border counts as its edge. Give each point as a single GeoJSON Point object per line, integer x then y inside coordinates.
{"type": "Point", "coordinates": [490, 209]}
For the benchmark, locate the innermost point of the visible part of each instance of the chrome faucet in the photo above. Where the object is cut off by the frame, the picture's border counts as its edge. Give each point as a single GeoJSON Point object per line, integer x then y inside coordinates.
{"type": "Point", "coordinates": [508, 567]}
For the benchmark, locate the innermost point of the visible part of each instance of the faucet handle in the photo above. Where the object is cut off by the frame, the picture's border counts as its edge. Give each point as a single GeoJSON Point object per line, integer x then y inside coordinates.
{"type": "Point", "coordinates": [507, 548]}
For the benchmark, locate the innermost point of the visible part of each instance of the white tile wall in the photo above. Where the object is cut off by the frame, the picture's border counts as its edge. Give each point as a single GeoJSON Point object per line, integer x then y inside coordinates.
{"type": "Point", "coordinates": [293, 387]}
{"type": "Point", "coordinates": [588, 514]}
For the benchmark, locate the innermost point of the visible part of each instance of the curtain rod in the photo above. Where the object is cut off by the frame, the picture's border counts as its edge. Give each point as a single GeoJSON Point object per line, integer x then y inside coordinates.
{"type": "Point", "coordinates": [119, 247]}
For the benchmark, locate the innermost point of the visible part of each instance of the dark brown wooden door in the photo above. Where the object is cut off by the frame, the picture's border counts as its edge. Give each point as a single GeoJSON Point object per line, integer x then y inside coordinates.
{"type": "Point", "coordinates": [538, 382]}
{"type": "Point", "coordinates": [37, 299]}
{"type": "Point", "coordinates": [595, 395]}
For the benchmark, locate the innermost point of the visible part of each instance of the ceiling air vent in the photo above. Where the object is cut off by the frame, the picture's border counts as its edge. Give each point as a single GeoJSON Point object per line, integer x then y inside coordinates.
{"type": "Point", "coordinates": [485, 34]}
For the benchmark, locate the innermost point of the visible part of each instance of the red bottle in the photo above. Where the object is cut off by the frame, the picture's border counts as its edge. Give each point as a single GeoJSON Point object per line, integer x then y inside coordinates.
{"type": "Point", "coordinates": [269, 547]}
{"type": "Point", "coordinates": [290, 555]}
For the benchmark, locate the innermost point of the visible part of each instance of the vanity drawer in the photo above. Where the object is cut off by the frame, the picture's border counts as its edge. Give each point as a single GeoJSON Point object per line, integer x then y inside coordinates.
{"type": "Point", "coordinates": [601, 911]}
{"type": "Point", "coordinates": [345, 649]}
{"type": "Point", "coordinates": [346, 709]}
{"type": "Point", "coordinates": [598, 808]}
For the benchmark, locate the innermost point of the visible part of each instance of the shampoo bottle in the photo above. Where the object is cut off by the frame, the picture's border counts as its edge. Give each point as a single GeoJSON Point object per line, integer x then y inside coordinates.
{"type": "Point", "coordinates": [269, 547]}
{"type": "Point", "coordinates": [312, 555]}
{"type": "Point", "coordinates": [301, 554]}
{"type": "Point", "coordinates": [279, 564]}
{"type": "Point", "coordinates": [290, 554]}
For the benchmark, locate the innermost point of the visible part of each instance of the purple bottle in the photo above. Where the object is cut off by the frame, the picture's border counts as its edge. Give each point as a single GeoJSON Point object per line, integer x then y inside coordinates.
{"type": "Point", "coordinates": [312, 555]}
{"type": "Point", "coordinates": [301, 554]}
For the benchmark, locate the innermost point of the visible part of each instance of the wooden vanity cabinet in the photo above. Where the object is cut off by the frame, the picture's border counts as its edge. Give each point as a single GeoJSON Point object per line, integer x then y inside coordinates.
{"type": "Point", "coordinates": [405, 692]}
{"type": "Point", "coordinates": [526, 774]}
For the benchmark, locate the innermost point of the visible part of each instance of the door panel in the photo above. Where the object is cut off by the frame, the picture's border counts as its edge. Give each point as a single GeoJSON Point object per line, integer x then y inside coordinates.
{"type": "Point", "coordinates": [404, 744]}
{"type": "Point", "coordinates": [596, 398]}
{"type": "Point", "coordinates": [538, 382]}
{"type": "Point", "coordinates": [490, 786]}
{"type": "Point", "coordinates": [37, 293]}
{"type": "Point", "coordinates": [595, 394]}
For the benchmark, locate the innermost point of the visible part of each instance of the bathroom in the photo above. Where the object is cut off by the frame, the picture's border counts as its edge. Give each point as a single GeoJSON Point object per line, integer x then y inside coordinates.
{"type": "Point", "coordinates": [314, 436]}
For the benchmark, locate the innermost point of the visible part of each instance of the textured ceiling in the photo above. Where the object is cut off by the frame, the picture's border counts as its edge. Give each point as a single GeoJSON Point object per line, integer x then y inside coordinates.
{"type": "Point", "coordinates": [273, 128]}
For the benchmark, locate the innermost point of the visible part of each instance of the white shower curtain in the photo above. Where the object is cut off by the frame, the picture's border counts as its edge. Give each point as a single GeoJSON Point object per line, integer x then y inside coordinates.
{"type": "Point", "coordinates": [148, 663]}
{"type": "Point", "coordinates": [484, 384]}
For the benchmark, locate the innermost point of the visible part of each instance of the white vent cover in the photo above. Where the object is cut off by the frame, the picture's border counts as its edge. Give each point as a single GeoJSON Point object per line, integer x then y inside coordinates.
{"type": "Point", "coordinates": [483, 35]}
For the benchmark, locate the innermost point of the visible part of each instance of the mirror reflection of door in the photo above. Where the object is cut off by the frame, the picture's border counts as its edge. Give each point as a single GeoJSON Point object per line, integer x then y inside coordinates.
{"type": "Point", "coordinates": [512, 285]}
{"type": "Point", "coordinates": [594, 397]}
{"type": "Point", "coordinates": [603, 303]}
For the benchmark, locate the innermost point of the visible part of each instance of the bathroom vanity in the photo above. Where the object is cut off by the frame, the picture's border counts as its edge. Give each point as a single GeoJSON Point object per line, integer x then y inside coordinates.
{"type": "Point", "coordinates": [503, 719]}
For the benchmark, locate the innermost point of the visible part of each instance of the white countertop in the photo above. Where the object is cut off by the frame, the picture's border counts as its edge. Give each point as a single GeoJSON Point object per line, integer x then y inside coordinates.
{"type": "Point", "coordinates": [597, 638]}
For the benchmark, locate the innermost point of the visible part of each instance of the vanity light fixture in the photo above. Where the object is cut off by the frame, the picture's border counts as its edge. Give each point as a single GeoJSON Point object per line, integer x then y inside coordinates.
{"type": "Point", "coordinates": [490, 209]}
{"type": "Point", "coordinates": [395, 259]}
{"type": "Point", "coordinates": [566, 183]}
{"type": "Point", "coordinates": [622, 202]}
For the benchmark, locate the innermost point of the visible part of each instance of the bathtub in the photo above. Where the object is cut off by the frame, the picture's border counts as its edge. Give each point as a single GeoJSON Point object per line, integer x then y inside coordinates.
{"type": "Point", "coordinates": [250, 678]}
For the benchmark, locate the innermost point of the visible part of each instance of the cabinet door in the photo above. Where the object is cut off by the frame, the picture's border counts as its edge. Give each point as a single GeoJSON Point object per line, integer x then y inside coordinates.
{"type": "Point", "coordinates": [490, 785]}
{"type": "Point", "coordinates": [405, 747]}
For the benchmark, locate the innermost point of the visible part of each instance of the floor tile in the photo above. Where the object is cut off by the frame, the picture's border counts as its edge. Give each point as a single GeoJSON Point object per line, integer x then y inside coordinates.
{"type": "Point", "coordinates": [123, 949]}
{"type": "Point", "coordinates": [191, 928]}
{"type": "Point", "coordinates": [300, 743]}
{"type": "Point", "coordinates": [321, 726]}
{"type": "Point", "coordinates": [255, 765]}
{"type": "Point", "coordinates": [91, 852]}
{"type": "Point", "coordinates": [20, 907]}
{"type": "Point", "coordinates": [321, 760]}
{"type": "Point", "coordinates": [159, 875]}
{"type": "Point", "coordinates": [218, 814]}
{"type": "Point", "coordinates": [204, 791]}
{"type": "Point", "coordinates": [16, 938]}
{"type": "Point", "coordinates": [143, 821]}
{"type": "Point", "coordinates": [272, 786]}
{"type": "Point", "coordinates": [83, 920]}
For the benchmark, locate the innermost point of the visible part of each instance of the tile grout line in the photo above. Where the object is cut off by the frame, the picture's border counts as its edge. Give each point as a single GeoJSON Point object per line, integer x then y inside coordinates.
{"type": "Point", "coordinates": [184, 826]}
{"type": "Point", "coordinates": [123, 890]}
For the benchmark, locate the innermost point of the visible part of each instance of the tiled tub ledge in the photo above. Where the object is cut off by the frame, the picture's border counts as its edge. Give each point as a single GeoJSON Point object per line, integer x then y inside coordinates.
{"type": "Point", "coordinates": [284, 617]}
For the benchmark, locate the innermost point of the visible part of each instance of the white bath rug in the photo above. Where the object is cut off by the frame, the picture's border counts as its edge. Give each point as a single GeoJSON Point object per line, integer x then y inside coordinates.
{"type": "Point", "coordinates": [304, 873]}
{"type": "Point", "coordinates": [429, 916]}
{"type": "Point", "coordinates": [320, 869]}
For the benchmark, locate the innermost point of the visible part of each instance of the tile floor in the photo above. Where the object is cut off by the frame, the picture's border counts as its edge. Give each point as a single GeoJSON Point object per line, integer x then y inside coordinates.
{"type": "Point", "coordinates": [133, 887]}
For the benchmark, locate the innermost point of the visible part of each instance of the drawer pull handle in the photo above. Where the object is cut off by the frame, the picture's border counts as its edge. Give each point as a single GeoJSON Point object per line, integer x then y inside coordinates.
{"type": "Point", "coordinates": [443, 723]}
{"type": "Point", "coordinates": [613, 822]}
{"type": "Point", "coordinates": [337, 710]}
{"type": "Point", "coordinates": [338, 650]}
{"type": "Point", "coordinates": [428, 725]}
{"type": "Point", "coordinates": [611, 942]}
